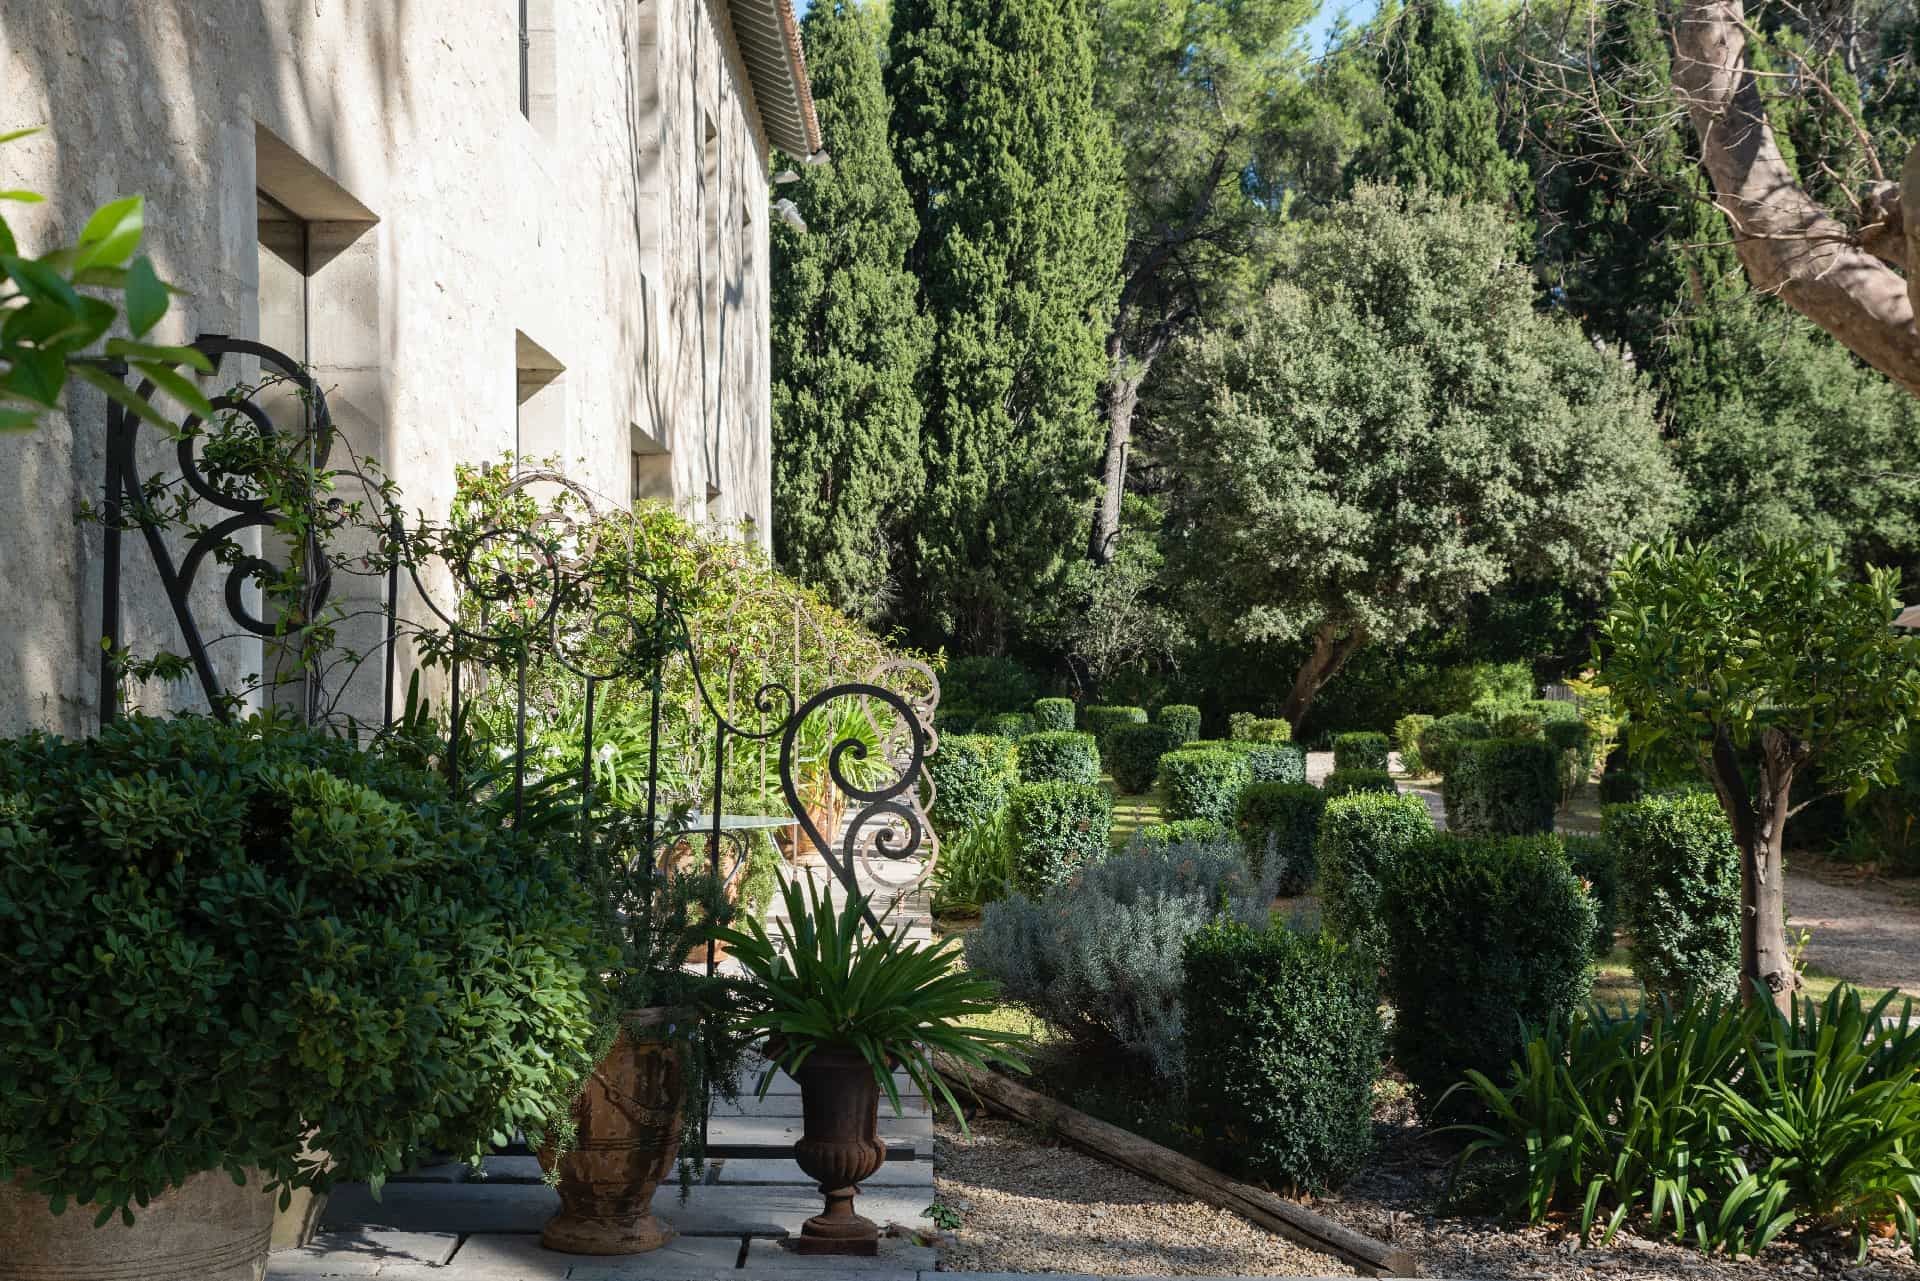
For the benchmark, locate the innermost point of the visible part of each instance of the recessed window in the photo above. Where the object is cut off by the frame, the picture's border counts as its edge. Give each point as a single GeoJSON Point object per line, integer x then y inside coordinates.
{"type": "Point", "coordinates": [540, 406]}
{"type": "Point", "coordinates": [537, 50]}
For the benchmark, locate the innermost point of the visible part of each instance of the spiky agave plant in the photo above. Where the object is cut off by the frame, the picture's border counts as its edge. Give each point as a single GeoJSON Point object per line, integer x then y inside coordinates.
{"type": "Point", "coordinates": [831, 981]}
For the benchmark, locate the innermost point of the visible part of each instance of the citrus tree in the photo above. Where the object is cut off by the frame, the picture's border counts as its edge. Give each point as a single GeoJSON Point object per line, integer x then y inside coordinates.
{"type": "Point", "coordinates": [1762, 666]}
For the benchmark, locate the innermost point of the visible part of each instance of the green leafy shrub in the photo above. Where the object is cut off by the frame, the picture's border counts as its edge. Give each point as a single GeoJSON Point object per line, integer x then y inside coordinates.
{"type": "Point", "coordinates": [1053, 714]}
{"type": "Point", "coordinates": [1406, 738]}
{"type": "Point", "coordinates": [1363, 836]}
{"type": "Point", "coordinates": [1485, 937]}
{"type": "Point", "coordinates": [1502, 787]}
{"type": "Point", "coordinates": [971, 774]}
{"type": "Point", "coordinates": [1057, 829]}
{"type": "Point", "coordinates": [1204, 782]}
{"type": "Point", "coordinates": [1344, 782]}
{"type": "Point", "coordinates": [955, 720]}
{"type": "Point", "coordinates": [988, 683]}
{"type": "Point", "coordinates": [1572, 744]}
{"type": "Point", "coordinates": [1360, 750]}
{"type": "Point", "coordinates": [1277, 823]}
{"type": "Point", "coordinates": [1711, 1122]}
{"type": "Point", "coordinates": [1098, 958]}
{"type": "Point", "coordinates": [1062, 756]}
{"type": "Point", "coordinates": [1134, 752]}
{"type": "Point", "coordinates": [1013, 725]}
{"type": "Point", "coordinates": [226, 938]}
{"type": "Point", "coordinates": [1526, 717]}
{"type": "Point", "coordinates": [1280, 1071]}
{"type": "Point", "coordinates": [1245, 727]}
{"type": "Point", "coordinates": [1185, 831]}
{"type": "Point", "coordinates": [975, 867]}
{"type": "Point", "coordinates": [1679, 892]}
{"type": "Point", "coordinates": [1182, 718]}
{"type": "Point", "coordinates": [1268, 762]}
{"type": "Point", "coordinates": [1594, 862]}
{"type": "Point", "coordinates": [1097, 719]}
{"type": "Point", "coordinates": [1440, 742]}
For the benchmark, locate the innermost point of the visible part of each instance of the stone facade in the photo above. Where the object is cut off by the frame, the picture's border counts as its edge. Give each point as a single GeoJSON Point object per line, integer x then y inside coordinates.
{"type": "Point", "coordinates": [481, 223]}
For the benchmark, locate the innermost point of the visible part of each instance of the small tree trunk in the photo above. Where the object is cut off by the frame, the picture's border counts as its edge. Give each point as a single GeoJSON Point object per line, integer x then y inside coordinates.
{"type": "Point", "coordinates": [1331, 650]}
{"type": "Point", "coordinates": [1123, 397]}
{"type": "Point", "coordinates": [1759, 830]}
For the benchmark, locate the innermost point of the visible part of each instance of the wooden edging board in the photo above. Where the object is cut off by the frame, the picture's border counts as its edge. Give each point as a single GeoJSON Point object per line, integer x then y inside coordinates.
{"type": "Point", "coordinates": [1163, 1165]}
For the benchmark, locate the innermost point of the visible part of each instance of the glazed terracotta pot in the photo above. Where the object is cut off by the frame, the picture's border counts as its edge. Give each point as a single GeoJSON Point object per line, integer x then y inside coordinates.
{"type": "Point", "coordinates": [839, 1147]}
{"type": "Point", "coordinates": [207, 1229]}
{"type": "Point", "coordinates": [628, 1134]}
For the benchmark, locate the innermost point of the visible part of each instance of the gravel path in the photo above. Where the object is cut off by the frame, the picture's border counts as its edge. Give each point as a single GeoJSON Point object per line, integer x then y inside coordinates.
{"type": "Point", "coordinates": [1029, 1205]}
{"type": "Point", "coordinates": [1862, 931]}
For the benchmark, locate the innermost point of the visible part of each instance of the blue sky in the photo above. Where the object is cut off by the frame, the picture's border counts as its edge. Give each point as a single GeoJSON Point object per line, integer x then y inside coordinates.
{"type": "Point", "coordinates": [1330, 12]}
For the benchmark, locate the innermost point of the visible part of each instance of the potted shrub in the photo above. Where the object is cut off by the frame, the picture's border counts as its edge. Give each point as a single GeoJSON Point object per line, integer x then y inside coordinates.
{"type": "Point", "coordinates": [668, 1029]}
{"type": "Point", "coordinates": [246, 959]}
{"type": "Point", "coordinates": [842, 1008]}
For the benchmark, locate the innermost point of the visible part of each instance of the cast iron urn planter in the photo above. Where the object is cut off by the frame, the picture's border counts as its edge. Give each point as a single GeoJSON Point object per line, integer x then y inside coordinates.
{"type": "Point", "coordinates": [839, 1147]}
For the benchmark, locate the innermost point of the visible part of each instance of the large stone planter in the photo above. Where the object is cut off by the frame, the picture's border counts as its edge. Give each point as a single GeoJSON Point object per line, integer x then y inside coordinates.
{"type": "Point", "coordinates": [628, 1123]}
{"type": "Point", "coordinates": [207, 1229]}
{"type": "Point", "coordinates": [839, 1147]}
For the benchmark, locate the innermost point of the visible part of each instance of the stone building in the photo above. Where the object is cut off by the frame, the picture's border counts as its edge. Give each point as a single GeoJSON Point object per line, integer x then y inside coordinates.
{"type": "Point", "coordinates": [484, 225]}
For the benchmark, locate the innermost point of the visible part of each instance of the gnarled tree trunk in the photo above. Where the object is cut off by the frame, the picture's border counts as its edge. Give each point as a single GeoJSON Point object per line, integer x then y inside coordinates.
{"type": "Point", "coordinates": [1787, 242]}
{"type": "Point", "coordinates": [1332, 647]}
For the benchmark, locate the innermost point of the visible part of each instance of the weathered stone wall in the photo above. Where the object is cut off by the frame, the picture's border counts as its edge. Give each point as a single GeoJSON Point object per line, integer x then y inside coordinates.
{"type": "Point", "coordinates": [460, 251]}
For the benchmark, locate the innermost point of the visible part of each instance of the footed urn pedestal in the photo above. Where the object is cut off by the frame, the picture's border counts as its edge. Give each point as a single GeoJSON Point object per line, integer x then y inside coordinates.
{"type": "Point", "coordinates": [839, 1147]}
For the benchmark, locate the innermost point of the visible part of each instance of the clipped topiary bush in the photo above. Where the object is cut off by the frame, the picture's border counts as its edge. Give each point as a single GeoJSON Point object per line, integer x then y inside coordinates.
{"type": "Point", "coordinates": [1133, 754]}
{"type": "Point", "coordinates": [1277, 823]}
{"type": "Point", "coordinates": [1502, 787]}
{"type": "Point", "coordinates": [1486, 938]}
{"type": "Point", "coordinates": [1594, 863]}
{"type": "Point", "coordinates": [971, 774]}
{"type": "Point", "coordinates": [1098, 958]}
{"type": "Point", "coordinates": [1524, 718]}
{"type": "Point", "coordinates": [1280, 1071]}
{"type": "Point", "coordinates": [1345, 782]}
{"type": "Point", "coordinates": [1097, 718]}
{"type": "Point", "coordinates": [1440, 742]}
{"type": "Point", "coordinates": [1059, 756]}
{"type": "Point", "coordinates": [1245, 727]}
{"type": "Point", "coordinates": [1360, 750]}
{"type": "Point", "coordinates": [1363, 837]}
{"type": "Point", "coordinates": [1012, 725]}
{"type": "Point", "coordinates": [1269, 762]}
{"type": "Point", "coordinates": [955, 720]}
{"type": "Point", "coordinates": [1572, 744]}
{"type": "Point", "coordinates": [1203, 783]}
{"type": "Point", "coordinates": [1184, 718]}
{"type": "Point", "coordinates": [1186, 831]}
{"type": "Point", "coordinates": [1406, 740]}
{"type": "Point", "coordinates": [1057, 829]}
{"type": "Point", "coordinates": [1052, 714]}
{"type": "Point", "coordinates": [1679, 875]}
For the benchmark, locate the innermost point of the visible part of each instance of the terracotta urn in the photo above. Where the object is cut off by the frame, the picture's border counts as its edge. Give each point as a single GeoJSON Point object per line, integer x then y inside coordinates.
{"type": "Point", "coordinates": [839, 1148]}
{"type": "Point", "coordinates": [627, 1122]}
{"type": "Point", "coordinates": [207, 1229]}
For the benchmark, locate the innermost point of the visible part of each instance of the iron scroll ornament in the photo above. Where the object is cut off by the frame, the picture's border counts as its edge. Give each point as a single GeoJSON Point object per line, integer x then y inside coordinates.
{"type": "Point", "coordinates": [877, 804]}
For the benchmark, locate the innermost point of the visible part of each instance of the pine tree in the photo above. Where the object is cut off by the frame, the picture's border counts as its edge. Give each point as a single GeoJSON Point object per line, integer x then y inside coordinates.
{"type": "Point", "coordinates": [849, 343]}
{"type": "Point", "coordinates": [1015, 180]}
{"type": "Point", "coordinates": [1441, 126]}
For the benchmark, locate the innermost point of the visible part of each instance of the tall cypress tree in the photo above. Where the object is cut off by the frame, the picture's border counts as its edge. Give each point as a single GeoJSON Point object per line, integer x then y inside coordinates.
{"type": "Point", "coordinates": [1441, 126]}
{"type": "Point", "coordinates": [1016, 183]}
{"type": "Point", "coordinates": [848, 339]}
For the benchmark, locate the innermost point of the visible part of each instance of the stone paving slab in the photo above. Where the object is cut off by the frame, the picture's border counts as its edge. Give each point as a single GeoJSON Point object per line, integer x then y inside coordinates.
{"type": "Point", "coordinates": [746, 1169]}
{"type": "Point", "coordinates": [789, 1105]}
{"type": "Point", "coordinates": [772, 1260]}
{"type": "Point", "coordinates": [784, 1131]}
{"type": "Point", "coordinates": [741, 1209]}
{"type": "Point", "coordinates": [362, 1251]}
{"type": "Point", "coordinates": [784, 1084]}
